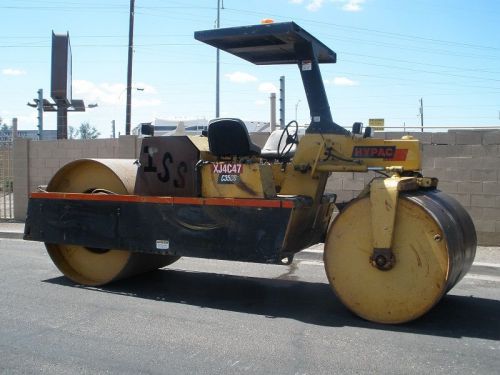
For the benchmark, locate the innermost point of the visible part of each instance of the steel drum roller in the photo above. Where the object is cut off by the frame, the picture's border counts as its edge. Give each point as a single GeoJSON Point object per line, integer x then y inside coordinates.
{"type": "Point", "coordinates": [434, 245]}
{"type": "Point", "coordinates": [99, 266]}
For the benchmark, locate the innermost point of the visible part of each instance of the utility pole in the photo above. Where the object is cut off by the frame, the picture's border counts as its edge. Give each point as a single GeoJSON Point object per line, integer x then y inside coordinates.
{"type": "Point", "coordinates": [62, 120]}
{"type": "Point", "coordinates": [14, 128]}
{"type": "Point", "coordinates": [282, 102]}
{"type": "Point", "coordinates": [40, 114]}
{"type": "Point", "coordinates": [129, 68]}
{"type": "Point", "coordinates": [217, 68]}
{"type": "Point", "coordinates": [421, 115]}
{"type": "Point", "coordinates": [272, 100]}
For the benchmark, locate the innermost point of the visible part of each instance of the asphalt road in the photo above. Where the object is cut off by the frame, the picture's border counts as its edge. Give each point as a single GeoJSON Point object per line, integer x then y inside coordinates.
{"type": "Point", "coordinates": [212, 317]}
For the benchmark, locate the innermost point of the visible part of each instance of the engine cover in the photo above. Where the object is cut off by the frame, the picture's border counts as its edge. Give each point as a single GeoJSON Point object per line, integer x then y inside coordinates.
{"type": "Point", "coordinates": [167, 167]}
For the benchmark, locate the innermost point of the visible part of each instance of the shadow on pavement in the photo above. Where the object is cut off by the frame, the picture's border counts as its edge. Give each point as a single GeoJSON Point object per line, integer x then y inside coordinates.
{"type": "Point", "coordinates": [312, 303]}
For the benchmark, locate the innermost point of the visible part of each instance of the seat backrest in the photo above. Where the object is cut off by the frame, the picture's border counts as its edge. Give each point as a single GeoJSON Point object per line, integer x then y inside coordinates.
{"type": "Point", "coordinates": [229, 137]}
{"type": "Point", "coordinates": [270, 149]}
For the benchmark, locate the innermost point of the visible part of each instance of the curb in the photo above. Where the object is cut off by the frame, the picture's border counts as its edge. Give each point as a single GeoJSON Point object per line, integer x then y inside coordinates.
{"type": "Point", "coordinates": [310, 255]}
{"type": "Point", "coordinates": [12, 235]}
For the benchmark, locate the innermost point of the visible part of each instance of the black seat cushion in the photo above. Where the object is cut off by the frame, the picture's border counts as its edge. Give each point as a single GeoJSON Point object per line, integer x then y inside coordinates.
{"type": "Point", "coordinates": [229, 137]}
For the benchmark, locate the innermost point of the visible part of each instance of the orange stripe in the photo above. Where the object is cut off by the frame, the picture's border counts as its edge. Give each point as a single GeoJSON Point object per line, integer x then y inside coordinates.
{"type": "Point", "coordinates": [258, 203]}
{"type": "Point", "coordinates": [220, 201]}
{"type": "Point", "coordinates": [102, 197]}
{"type": "Point", "coordinates": [271, 203]}
{"type": "Point", "coordinates": [287, 204]}
{"type": "Point", "coordinates": [188, 200]}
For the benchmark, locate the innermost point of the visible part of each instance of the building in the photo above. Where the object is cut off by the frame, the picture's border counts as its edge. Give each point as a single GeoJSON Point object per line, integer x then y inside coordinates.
{"type": "Point", "coordinates": [6, 135]}
{"type": "Point", "coordinates": [195, 126]}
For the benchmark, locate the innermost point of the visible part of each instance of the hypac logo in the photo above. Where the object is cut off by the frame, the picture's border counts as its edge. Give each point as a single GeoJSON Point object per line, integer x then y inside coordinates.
{"type": "Point", "coordinates": [228, 173]}
{"type": "Point", "coordinates": [373, 152]}
{"type": "Point", "coordinates": [380, 152]}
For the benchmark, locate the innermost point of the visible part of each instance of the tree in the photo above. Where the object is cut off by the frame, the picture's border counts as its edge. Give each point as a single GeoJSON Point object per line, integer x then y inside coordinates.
{"type": "Point", "coordinates": [3, 126]}
{"type": "Point", "coordinates": [85, 131]}
{"type": "Point", "coordinates": [72, 133]}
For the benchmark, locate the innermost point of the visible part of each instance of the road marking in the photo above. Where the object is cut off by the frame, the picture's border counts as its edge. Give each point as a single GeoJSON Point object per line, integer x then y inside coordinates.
{"type": "Point", "coordinates": [315, 251]}
{"type": "Point", "coordinates": [482, 277]}
{"type": "Point", "coordinates": [469, 276]}
{"type": "Point", "coordinates": [311, 262]}
{"type": "Point", "coordinates": [482, 264]}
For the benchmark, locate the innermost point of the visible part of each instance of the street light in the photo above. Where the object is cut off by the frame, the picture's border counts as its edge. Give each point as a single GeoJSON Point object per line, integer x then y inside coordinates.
{"type": "Point", "coordinates": [119, 98]}
{"type": "Point", "coordinates": [132, 88]}
{"type": "Point", "coordinates": [44, 105]}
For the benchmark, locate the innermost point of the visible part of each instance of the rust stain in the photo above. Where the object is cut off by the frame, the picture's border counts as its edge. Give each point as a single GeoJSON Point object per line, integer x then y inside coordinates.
{"type": "Point", "coordinates": [419, 261]}
{"type": "Point", "coordinates": [388, 205]}
{"type": "Point", "coordinates": [246, 188]}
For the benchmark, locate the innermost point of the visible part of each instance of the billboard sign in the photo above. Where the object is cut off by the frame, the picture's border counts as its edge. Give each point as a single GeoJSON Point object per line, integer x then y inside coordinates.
{"type": "Point", "coordinates": [61, 69]}
{"type": "Point", "coordinates": [376, 123]}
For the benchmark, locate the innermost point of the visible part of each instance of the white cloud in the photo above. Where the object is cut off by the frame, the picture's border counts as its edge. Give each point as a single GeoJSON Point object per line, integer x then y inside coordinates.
{"type": "Point", "coordinates": [351, 5]}
{"type": "Point", "coordinates": [113, 93]}
{"type": "Point", "coordinates": [13, 72]}
{"type": "Point", "coordinates": [314, 5]}
{"type": "Point", "coordinates": [137, 103]}
{"type": "Point", "coordinates": [267, 87]}
{"type": "Point", "coordinates": [24, 122]}
{"type": "Point", "coordinates": [260, 102]}
{"type": "Point", "coordinates": [240, 77]}
{"type": "Point", "coordinates": [344, 81]}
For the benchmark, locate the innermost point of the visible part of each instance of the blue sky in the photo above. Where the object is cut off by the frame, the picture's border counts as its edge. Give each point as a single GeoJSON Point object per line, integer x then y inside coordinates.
{"type": "Point", "coordinates": [390, 54]}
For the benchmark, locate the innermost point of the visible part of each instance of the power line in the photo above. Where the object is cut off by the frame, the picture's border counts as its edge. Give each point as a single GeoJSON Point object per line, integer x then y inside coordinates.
{"type": "Point", "coordinates": [424, 71]}
{"type": "Point", "coordinates": [419, 63]}
{"type": "Point", "coordinates": [364, 29]}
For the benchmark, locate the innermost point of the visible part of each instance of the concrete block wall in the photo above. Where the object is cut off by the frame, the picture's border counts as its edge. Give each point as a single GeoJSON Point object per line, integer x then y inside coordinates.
{"type": "Point", "coordinates": [35, 162]}
{"type": "Point", "coordinates": [467, 164]}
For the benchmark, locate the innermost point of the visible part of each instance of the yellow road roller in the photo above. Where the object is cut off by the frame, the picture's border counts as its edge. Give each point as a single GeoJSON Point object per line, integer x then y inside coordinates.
{"type": "Point", "coordinates": [390, 254]}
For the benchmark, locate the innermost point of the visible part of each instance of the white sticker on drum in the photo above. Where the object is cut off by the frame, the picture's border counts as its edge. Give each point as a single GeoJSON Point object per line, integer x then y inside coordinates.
{"type": "Point", "coordinates": [162, 244]}
{"type": "Point", "coordinates": [306, 65]}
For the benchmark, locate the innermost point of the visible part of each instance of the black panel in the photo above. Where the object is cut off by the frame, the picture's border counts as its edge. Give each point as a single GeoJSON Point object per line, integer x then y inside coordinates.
{"type": "Point", "coordinates": [251, 234]}
{"type": "Point", "coordinates": [265, 44]}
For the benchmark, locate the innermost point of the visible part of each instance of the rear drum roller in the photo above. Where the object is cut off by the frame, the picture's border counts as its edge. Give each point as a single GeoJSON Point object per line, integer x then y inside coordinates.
{"type": "Point", "coordinates": [90, 266]}
{"type": "Point", "coordinates": [434, 245]}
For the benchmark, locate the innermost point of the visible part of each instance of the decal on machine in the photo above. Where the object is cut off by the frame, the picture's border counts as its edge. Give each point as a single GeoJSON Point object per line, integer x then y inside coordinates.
{"type": "Point", "coordinates": [162, 244]}
{"type": "Point", "coordinates": [227, 173]}
{"type": "Point", "coordinates": [373, 152]}
{"type": "Point", "coordinates": [379, 152]}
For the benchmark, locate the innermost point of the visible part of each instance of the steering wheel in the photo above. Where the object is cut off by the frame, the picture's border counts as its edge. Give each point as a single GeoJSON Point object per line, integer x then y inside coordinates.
{"type": "Point", "coordinates": [292, 138]}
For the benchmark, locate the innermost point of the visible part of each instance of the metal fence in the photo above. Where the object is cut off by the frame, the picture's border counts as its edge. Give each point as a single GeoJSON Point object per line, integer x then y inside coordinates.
{"type": "Point", "coordinates": [6, 178]}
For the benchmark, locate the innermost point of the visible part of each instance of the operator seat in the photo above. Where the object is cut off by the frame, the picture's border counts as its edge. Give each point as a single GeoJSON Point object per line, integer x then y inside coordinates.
{"type": "Point", "coordinates": [270, 149]}
{"type": "Point", "coordinates": [229, 137]}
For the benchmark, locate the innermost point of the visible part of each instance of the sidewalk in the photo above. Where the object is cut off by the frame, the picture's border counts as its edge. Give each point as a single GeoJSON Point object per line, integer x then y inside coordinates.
{"type": "Point", "coordinates": [484, 254]}
{"type": "Point", "coordinates": [14, 229]}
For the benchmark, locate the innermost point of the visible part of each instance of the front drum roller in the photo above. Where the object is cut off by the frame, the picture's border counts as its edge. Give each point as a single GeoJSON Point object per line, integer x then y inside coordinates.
{"type": "Point", "coordinates": [90, 266]}
{"type": "Point", "coordinates": [434, 245]}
